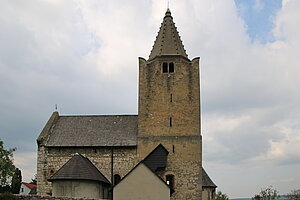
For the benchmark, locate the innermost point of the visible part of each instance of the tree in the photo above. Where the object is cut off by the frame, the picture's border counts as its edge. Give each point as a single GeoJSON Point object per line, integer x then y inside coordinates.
{"type": "Point", "coordinates": [7, 167]}
{"type": "Point", "coordinates": [268, 193]}
{"type": "Point", "coordinates": [16, 181]}
{"type": "Point", "coordinates": [294, 194]}
{"type": "Point", "coordinates": [221, 196]}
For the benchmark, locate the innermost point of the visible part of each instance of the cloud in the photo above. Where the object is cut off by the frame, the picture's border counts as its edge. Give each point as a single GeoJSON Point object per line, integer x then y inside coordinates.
{"type": "Point", "coordinates": [26, 161]}
{"type": "Point", "coordinates": [288, 180]}
{"type": "Point", "coordinates": [82, 55]}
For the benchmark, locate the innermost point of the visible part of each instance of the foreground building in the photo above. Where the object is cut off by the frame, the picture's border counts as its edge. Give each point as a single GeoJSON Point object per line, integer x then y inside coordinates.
{"type": "Point", "coordinates": [27, 188]}
{"type": "Point", "coordinates": [163, 141]}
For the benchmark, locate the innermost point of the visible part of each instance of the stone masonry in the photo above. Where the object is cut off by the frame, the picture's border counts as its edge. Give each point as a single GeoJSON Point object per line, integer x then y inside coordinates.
{"type": "Point", "coordinates": [175, 96]}
{"type": "Point", "coordinates": [52, 159]}
{"type": "Point", "coordinates": [168, 114]}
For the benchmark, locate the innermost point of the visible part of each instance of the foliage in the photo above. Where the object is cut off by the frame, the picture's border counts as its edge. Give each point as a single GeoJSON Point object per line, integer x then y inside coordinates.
{"type": "Point", "coordinates": [221, 196]}
{"type": "Point", "coordinates": [7, 167]}
{"type": "Point", "coordinates": [16, 182]}
{"type": "Point", "coordinates": [5, 188]}
{"type": "Point", "coordinates": [8, 196]}
{"type": "Point", "coordinates": [294, 194]}
{"type": "Point", "coordinates": [268, 193]}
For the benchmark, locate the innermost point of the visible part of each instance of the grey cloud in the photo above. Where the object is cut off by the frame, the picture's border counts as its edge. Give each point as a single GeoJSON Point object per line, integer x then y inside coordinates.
{"type": "Point", "coordinates": [83, 57]}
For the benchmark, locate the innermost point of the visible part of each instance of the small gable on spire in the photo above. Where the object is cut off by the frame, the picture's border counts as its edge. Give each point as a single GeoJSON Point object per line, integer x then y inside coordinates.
{"type": "Point", "coordinates": [168, 41]}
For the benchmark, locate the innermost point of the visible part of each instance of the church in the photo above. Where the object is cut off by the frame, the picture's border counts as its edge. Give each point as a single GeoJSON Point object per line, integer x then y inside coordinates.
{"type": "Point", "coordinates": [156, 154]}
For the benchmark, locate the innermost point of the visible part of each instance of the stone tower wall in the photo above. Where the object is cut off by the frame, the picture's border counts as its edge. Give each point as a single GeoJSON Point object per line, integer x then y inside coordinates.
{"type": "Point", "coordinates": [155, 104]}
{"type": "Point", "coordinates": [172, 95]}
{"type": "Point", "coordinates": [52, 159]}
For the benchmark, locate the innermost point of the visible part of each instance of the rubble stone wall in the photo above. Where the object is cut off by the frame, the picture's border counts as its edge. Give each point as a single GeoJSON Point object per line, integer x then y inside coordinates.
{"type": "Point", "coordinates": [52, 159]}
{"type": "Point", "coordinates": [36, 197]}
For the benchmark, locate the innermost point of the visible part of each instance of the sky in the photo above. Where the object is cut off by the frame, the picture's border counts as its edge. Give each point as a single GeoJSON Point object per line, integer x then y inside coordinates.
{"type": "Point", "coordinates": [83, 56]}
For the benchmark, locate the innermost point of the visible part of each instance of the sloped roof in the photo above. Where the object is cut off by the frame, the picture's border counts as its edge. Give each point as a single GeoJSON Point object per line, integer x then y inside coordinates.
{"type": "Point", "coordinates": [79, 168]}
{"type": "Point", "coordinates": [29, 185]}
{"type": "Point", "coordinates": [142, 163]}
{"type": "Point", "coordinates": [206, 181]}
{"type": "Point", "coordinates": [93, 130]}
{"type": "Point", "coordinates": [157, 159]}
{"type": "Point", "coordinates": [168, 41]}
{"type": "Point", "coordinates": [152, 163]}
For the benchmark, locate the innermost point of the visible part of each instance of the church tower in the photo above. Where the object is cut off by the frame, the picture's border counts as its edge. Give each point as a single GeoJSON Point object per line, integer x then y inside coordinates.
{"type": "Point", "coordinates": [169, 111]}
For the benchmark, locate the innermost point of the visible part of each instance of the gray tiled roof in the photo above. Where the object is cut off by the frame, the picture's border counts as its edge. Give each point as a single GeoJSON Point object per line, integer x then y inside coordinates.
{"type": "Point", "coordinates": [79, 168]}
{"type": "Point", "coordinates": [95, 130]}
{"type": "Point", "coordinates": [206, 181]}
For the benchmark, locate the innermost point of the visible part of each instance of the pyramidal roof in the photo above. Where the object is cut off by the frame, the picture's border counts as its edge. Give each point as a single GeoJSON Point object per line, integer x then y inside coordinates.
{"type": "Point", "coordinates": [79, 168]}
{"type": "Point", "coordinates": [168, 41]}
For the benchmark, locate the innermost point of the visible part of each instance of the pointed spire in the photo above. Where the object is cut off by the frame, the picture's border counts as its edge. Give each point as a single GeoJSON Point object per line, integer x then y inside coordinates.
{"type": "Point", "coordinates": [168, 41]}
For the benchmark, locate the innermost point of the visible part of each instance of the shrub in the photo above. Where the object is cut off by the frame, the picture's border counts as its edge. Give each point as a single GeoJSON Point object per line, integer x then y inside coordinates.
{"type": "Point", "coordinates": [8, 196]}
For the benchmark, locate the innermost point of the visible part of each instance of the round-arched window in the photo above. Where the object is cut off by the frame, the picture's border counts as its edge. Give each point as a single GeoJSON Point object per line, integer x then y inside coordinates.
{"type": "Point", "coordinates": [117, 179]}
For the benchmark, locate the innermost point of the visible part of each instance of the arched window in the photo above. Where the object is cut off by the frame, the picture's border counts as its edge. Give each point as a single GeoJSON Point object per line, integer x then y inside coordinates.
{"type": "Point", "coordinates": [170, 181]}
{"type": "Point", "coordinates": [165, 68]}
{"type": "Point", "coordinates": [117, 179]}
{"type": "Point", "coordinates": [171, 67]}
{"type": "Point", "coordinates": [168, 68]}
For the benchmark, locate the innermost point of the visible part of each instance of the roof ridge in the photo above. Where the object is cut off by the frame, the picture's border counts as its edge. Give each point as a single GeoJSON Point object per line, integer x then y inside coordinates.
{"type": "Point", "coordinates": [96, 115]}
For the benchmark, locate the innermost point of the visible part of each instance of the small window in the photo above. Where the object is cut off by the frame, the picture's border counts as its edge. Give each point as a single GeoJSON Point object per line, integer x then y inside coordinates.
{"type": "Point", "coordinates": [117, 179]}
{"type": "Point", "coordinates": [171, 67]}
{"type": "Point", "coordinates": [165, 68]}
{"type": "Point", "coordinates": [173, 148]}
{"type": "Point", "coordinates": [170, 121]}
{"type": "Point", "coordinates": [170, 181]}
{"type": "Point", "coordinates": [171, 98]}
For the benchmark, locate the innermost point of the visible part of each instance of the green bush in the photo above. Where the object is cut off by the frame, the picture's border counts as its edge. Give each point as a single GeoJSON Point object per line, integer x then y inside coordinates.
{"type": "Point", "coordinates": [8, 196]}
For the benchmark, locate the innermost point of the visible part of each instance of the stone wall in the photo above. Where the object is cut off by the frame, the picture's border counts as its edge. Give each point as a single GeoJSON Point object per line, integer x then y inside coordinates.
{"type": "Point", "coordinates": [36, 197]}
{"type": "Point", "coordinates": [208, 193]}
{"type": "Point", "coordinates": [52, 159]}
{"type": "Point", "coordinates": [169, 95]}
{"type": "Point", "coordinates": [169, 114]}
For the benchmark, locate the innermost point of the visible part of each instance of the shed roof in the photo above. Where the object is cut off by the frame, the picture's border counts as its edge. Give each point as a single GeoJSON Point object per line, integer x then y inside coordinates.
{"type": "Point", "coordinates": [93, 130]}
{"type": "Point", "coordinates": [79, 168]}
{"type": "Point", "coordinates": [206, 181]}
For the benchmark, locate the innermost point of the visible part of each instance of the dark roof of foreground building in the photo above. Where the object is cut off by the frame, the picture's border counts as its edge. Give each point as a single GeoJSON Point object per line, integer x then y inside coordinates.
{"type": "Point", "coordinates": [89, 131]}
{"type": "Point", "coordinates": [157, 159]}
{"type": "Point", "coordinates": [206, 181]}
{"type": "Point", "coordinates": [79, 168]}
{"type": "Point", "coordinates": [168, 41]}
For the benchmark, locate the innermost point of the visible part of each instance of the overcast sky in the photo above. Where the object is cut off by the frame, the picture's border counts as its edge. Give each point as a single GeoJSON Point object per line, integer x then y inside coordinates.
{"type": "Point", "coordinates": [82, 56]}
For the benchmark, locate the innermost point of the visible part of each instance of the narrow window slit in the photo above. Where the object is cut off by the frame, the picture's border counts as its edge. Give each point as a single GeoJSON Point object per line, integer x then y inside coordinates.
{"type": "Point", "coordinates": [170, 181]}
{"type": "Point", "coordinates": [171, 98]}
{"type": "Point", "coordinates": [165, 68]}
{"type": "Point", "coordinates": [117, 179]}
{"type": "Point", "coordinates": [171, 67]}
{"type": "Point", "coordinates": [170, 121]}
